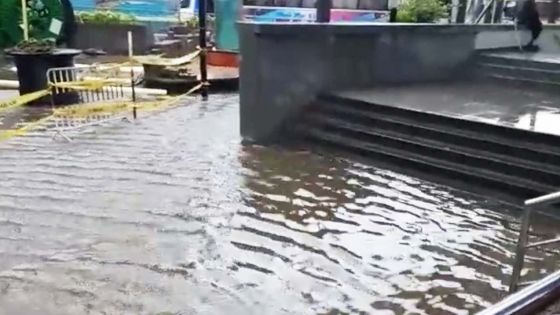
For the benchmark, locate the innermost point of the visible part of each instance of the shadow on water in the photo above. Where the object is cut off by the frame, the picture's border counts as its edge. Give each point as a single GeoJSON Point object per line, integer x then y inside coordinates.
{"type": "Point", "coordinates": [171, 215]}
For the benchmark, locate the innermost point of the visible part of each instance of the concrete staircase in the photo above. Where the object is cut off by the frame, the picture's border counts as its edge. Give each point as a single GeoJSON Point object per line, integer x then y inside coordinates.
{"type": "Point", "coordinates": [522, 68]}
{"type": "Point", "coordinates": [480, 157]}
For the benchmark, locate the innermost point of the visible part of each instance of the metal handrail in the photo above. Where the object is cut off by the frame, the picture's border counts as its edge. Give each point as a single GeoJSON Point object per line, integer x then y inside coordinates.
{"type": "Point", "coordinates": [528, 300]}
{"type": "Point", "coordinates": [522, 245]}
{"type": "Point", "coordinates": [543, 199]}
{"type": "Point", "coordinates": [484, 11]}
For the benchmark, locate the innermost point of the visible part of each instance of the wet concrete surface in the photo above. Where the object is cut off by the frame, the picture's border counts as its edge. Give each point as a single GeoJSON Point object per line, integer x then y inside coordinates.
{"type": "Point", "coordinates": [18, 117]}
{"type": "Point", "coordinates": [171, 214]}
{"type": "Point", "coordinates": [506, 104]}
{"type": "Point", "coordinates": [529, 56]}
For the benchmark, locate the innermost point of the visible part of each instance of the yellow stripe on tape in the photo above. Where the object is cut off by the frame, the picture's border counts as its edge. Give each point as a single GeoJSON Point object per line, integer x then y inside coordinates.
{"type": "Point", "coordinates": [86, 85]}
{"type": "Point", "coordinates": [152, 106]}
{"type": "Point", "coordinates": [115, 107]}
{"type": "Point", "coordinates": [23, 99]}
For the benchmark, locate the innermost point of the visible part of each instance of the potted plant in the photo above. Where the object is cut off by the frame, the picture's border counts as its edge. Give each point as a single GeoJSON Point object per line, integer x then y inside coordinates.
{"type": "Point", "coordinates": [33, 58]}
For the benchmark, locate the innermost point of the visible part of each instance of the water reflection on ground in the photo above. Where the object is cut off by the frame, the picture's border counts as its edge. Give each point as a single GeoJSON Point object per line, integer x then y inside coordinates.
{"type": "Point", "coordinates": [523, 106]}
{"type": "Point", "coordinates": [172, 215]}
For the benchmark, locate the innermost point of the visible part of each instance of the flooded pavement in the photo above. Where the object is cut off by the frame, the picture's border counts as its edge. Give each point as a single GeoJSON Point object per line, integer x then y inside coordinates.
{"type": "Point", "coordinates": [172, 215]}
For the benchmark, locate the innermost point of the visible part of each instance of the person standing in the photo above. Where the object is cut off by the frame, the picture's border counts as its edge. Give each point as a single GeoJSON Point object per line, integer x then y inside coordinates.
{"type": "Point", "coordinates": [528, 16]}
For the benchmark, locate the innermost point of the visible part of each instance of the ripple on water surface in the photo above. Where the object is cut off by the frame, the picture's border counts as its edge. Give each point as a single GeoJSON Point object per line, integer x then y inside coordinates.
{"type": "Point", "coordinates": [171, 215]}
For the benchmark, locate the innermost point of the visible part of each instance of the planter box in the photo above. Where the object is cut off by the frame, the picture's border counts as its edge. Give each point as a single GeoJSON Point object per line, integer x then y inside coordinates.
{"type": "Point", "coordinates": [221, 58]}
{"type": "Point", "coordinates": [113, 39]}
{"type": "Point", "coordinates": [32, 74]}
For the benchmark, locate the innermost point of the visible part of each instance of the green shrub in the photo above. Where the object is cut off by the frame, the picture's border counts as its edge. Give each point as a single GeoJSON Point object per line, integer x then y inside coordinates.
{"type": "Point", "coordinates": [192, 23]}
{"type": "Point", "coordinates": [421, 11]}
{"type": "Point", "coordinates": [106, 17]}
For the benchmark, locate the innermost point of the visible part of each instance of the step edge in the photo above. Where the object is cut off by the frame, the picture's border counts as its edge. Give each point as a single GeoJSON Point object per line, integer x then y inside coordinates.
{"type": "Point", "coordinates": [335, 99]}
{"type": "Point", "coordinates": [518, 68]}
{"type": "Point", "coordinates": [495, 157]}
{"type": "Point", "coordinates": [455, 167]}
{"type": "Point", "coordinates": [461, 132]}
{"type": "Point", "coordinates": [521, 79]}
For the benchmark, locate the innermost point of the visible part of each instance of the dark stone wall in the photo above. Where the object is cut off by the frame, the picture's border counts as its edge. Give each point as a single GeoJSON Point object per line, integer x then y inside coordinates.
{"type": "Point", "coordinates": [113, 39]}
{"type": "Point", "coordinates": [285, 66]}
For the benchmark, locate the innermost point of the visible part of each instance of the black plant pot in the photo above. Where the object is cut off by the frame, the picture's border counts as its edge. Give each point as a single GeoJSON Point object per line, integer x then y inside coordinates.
{"type": "Point", "coordinates": [32, 73]}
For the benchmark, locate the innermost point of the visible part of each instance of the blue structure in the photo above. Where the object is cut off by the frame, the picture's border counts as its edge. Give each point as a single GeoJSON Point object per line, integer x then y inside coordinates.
{"type": "Point", "coordinates": [227, 37]}
{"type": "Point", "coordinates": [144, 8]}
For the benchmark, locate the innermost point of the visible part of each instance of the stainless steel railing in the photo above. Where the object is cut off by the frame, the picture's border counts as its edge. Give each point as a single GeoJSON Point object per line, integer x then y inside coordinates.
{"type": "Point", "coordinates": [529, 300]}
{"type": "Point", "coordinates": [522, 243]}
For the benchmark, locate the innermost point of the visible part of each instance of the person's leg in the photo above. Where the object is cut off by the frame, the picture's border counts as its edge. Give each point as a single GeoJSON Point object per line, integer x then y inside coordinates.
{"type": "Point", "coordinates": [536, 29]}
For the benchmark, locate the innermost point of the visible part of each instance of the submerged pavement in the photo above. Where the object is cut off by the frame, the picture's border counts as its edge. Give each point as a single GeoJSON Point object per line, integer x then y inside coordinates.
{"type": "Point", "coordinates": [170, 214]}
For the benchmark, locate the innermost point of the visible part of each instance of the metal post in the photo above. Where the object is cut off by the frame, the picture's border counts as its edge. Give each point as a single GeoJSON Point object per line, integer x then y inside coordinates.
{"type": "Point", "coordinates": [132, 81]}
{"type": "Point", "coordinates": [462, 11]}
{"type": "Point", "coordinates": [202, 44]}
{"type": "Point", "coordinates": [393, 15]}
{"type": "Point", "coordinates": [323, 11]}
{"type": "Point", "coordinates": [499, 14]}
{"type": "Point", "coordinates": [179, 11]}
{"type": "Point", "coordinates": [484, 12]}
{"type": "Point", "coordinates": [393, 5]}
{"type": "Point", "coordinates": [24, 19]}
{"type": "Point", "coordinates": [130, 57]}
{"type": "Point", "coordinates": [520, 251]}
{"type": "Point", "coordinates": [554, 11]}
{"type": "Point", "coordinates": [494, 7]}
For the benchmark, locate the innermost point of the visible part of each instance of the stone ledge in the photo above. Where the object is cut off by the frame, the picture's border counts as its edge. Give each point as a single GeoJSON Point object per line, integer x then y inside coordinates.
{"type": "Point", "coordinates": [290, 28]}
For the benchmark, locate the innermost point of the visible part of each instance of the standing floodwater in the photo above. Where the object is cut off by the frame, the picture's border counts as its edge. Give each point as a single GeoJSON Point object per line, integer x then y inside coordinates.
{"type": "Point", "coordinates": [172, 215]}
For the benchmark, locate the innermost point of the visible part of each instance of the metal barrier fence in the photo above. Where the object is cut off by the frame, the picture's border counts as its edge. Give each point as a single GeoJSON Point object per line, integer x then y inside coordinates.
{"type": "Point", "coordinates": [84, 84]}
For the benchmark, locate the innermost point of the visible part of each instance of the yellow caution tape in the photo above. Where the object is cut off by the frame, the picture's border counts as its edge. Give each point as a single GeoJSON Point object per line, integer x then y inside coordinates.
{"type": "Point", "coordinates": [84, 110]}
{"type": "Point", "coordinates": [23, 99]}
{"type": "Point", "coordinates": [147, 106]}
{"type": "Point", "coordinates": [115, 107]}
{"type": "Point", "coordinates": [86, 85]}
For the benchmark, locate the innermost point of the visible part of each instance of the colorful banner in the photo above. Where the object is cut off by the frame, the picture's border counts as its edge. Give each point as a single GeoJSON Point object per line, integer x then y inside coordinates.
{"type": "Point", "coordinates": [135, 7]}
{"type": "Point", "coordinates": [290, 14]}
{"type": "Point", "coordinates": [256, 13]}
